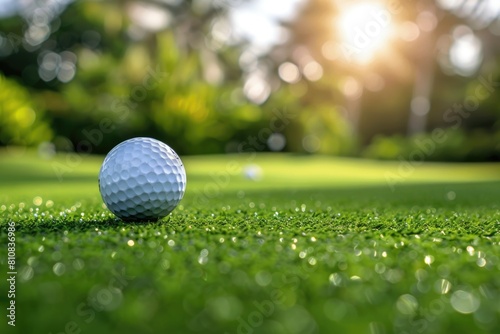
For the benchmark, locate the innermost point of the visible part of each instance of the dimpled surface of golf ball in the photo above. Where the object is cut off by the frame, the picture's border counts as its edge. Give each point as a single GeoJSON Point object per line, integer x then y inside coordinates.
{"type": "Point", "coordinates": [142, 179]}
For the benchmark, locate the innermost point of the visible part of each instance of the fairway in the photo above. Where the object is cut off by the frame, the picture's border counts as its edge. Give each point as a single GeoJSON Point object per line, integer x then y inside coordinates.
{"type": "Point", "coordinates": [309, 244]}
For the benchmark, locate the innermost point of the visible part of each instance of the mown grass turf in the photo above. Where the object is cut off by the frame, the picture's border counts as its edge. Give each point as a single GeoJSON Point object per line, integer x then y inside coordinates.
{"type": "Point", "coordinates": [317, 245]}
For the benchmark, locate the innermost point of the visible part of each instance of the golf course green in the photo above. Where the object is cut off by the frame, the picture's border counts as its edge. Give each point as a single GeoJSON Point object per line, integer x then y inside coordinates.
{"type": "Point", "coordinates": [304, 244]}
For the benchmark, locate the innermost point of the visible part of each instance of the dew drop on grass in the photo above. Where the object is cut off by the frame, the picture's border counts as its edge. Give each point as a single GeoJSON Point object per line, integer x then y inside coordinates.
{"type": "Point", "coordinates": [442, 286]}
{"type": "Point", "coordinates": [487, 292]}
{"type": "Point", "coordinates": [464, 302]}
{"type": "Point", "coordinates": [202, 260]}
{"type": "Point", "coordinates": [407, 304]}
{"type": "Point", "coordinates": [37, 200]}
{"type": "Point", "coordinates": [26, 273]}
{"type": "Point", "coordinates": [32, 260]}
{"type": "Point", "coordinates": [393, 276]}
{"type": "Point", "coordinates": [263, 278]}
{"type": "Point", "coordinates": [481, 262]}
{"type": "Point", "coordinates": [59, 269]}
{"type": "Point", "coordinates": [451, 195]}
{"type": "Point", "coordinates": [165, 264]}
{"type": "Point", "coordinates": [335, 279]}
{"type": "Point", "coordinates": [421, 274]}
{"type": "Point", "coordinates": [379, 268]}
{"type": "Point", "coordinates": [470, 250]}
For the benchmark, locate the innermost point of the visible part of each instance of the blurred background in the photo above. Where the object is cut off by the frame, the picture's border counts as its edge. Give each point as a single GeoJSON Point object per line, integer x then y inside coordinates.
{"type": "Point", "coordinates": [377, 79]}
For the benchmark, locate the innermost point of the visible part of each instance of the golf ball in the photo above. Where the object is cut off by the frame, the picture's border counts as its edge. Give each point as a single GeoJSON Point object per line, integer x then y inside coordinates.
{"type": "Point", "coordinates": [142, 179]}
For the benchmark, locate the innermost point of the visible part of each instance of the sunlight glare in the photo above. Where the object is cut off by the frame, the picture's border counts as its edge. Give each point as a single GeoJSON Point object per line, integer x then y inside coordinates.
{"type": "Point", "coordinates": [466, 52]}
{"type": "Point", "coordinates": [365, 28]}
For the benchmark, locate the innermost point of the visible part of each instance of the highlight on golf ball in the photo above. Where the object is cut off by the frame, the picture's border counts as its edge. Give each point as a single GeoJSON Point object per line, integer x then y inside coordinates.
{"type": "Point", "coordinates": [142, 179]}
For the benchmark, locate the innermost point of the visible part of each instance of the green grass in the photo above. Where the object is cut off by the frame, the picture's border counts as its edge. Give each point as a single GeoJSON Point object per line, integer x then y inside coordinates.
{"type": "Point", "coordinates": [318, 245]}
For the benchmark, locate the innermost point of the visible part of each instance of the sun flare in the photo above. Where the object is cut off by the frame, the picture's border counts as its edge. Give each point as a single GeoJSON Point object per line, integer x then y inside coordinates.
{"type": "Point", "coordinates": [365, 29]}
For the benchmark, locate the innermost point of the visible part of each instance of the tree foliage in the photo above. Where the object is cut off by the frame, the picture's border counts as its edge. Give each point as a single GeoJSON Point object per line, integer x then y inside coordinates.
{"type": "Point", "coordinates": [95, 73]}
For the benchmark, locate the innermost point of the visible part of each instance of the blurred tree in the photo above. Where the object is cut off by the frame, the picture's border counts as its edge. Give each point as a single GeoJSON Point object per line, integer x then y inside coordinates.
{"type": "Point", "coordinates": [109, 71]}
{"type": "Point", "coordinates": [21, 122]}
{"type": "Point", "coordinates": [324, 124]}
{"type": "Point", "coordinates": [389, 67]}
{"type": "Point", "coordinates": [106, 71]}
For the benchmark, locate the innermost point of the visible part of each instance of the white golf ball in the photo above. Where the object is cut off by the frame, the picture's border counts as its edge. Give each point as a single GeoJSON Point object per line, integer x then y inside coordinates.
{"type": "Point", "coordinates": [142, 179]}
{"type": "Point", "coordinates": [252, 172]}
